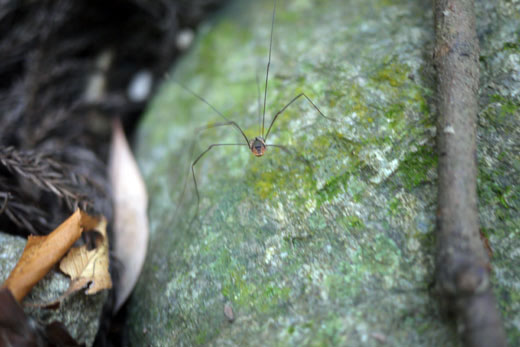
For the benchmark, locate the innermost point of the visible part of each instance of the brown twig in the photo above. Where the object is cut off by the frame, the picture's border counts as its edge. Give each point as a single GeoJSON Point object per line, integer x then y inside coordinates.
{"type": "Point", "coordinates": [462, 269]}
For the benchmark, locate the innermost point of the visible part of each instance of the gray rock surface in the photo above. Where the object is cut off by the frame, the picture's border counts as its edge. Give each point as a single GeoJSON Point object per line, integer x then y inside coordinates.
{"type": "Point", "coordinates": [79, 313]}
{"type": "Point", "coordinates": [338, 252]}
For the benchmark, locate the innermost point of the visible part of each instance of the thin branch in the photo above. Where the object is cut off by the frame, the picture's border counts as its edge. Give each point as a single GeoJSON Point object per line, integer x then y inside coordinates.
{"type": "Point", "coordinates": [462, 269]}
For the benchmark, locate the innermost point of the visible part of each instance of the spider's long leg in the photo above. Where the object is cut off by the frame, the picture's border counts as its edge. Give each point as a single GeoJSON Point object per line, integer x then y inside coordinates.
{"type": "Point", "coordinates": [220, 124]}
{"type": "Point", "coordinates": [268, 64]}
{"type": "Point", "coordinates": [214, 109]}
{"type": "Point", "coordinates": [206, 127]}
{"type": "Point", "coordinates": [192, 148]}
{"type": "Point", "coordinates": [197, 160]}
{"type": "Point", "coordinates": [288, 104]}
{"type": "Point", "coordinates": [259, 100]}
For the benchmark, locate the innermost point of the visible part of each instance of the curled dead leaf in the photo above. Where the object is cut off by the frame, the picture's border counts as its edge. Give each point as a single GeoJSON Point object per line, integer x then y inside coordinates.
{"type": "Point", "coordinates": [86, 266]}
{"type": "Point", "coordinates": [42, 252]}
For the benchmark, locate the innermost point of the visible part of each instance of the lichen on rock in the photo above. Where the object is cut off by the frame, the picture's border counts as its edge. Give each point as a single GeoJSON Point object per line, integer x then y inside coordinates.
{"type": "Point", "coordinates": [331, 245]}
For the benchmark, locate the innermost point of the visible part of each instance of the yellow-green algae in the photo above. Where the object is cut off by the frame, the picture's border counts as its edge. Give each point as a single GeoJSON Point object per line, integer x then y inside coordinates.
{"type": "Point", "coordinates": [333, 245]}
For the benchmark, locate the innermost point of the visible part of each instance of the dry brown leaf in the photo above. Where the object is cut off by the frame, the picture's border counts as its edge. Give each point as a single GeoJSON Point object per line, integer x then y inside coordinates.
{"type": "Point", "coordinates": [130, 219]}
{"type": "Point", "coordinates": [89, 266]}
{"type": "Point", "coordinates": [42, 252]}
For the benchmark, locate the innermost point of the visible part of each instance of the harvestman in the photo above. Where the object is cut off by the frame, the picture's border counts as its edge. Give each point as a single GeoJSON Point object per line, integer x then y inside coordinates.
{"type": "Point", "coordinates": [259, 144]}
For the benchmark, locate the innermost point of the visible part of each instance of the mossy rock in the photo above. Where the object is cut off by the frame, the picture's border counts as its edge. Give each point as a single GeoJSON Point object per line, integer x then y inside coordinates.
{"type": "Point", "coordinates": [332, 244]}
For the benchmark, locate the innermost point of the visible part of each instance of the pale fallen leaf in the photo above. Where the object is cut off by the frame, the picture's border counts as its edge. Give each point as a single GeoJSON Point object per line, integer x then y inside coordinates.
{"type": "Point", "coordinates": [130, 219]}
{"type": "Point", "coordinates": [89, 266]}
{"type": "Point", "coordinates": [42, 252]}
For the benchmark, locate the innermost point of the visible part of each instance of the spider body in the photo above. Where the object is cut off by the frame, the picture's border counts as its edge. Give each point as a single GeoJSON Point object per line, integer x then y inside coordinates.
{"type": "Point", "coordinates": [257, 146]}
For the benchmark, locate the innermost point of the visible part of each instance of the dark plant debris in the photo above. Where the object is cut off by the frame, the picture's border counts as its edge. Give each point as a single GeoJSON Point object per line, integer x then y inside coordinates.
{"type": "Point", "coordinates": [65, 71]}
{"type": "Point", "coordinates": [66, 68]}
{"type": "Point", "coordinates": [40, 177]}
{"type": "Point", "coordinates": [17, 329]}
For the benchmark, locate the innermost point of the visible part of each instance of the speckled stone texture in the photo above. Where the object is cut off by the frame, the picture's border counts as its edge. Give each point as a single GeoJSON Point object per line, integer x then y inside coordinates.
{"type": "Point", "coordinates": [333, 245]}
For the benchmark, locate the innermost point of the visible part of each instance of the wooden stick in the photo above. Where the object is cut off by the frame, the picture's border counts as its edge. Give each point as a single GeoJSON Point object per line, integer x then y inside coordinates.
{"type": "Point", "coordinates": [462, 269]}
